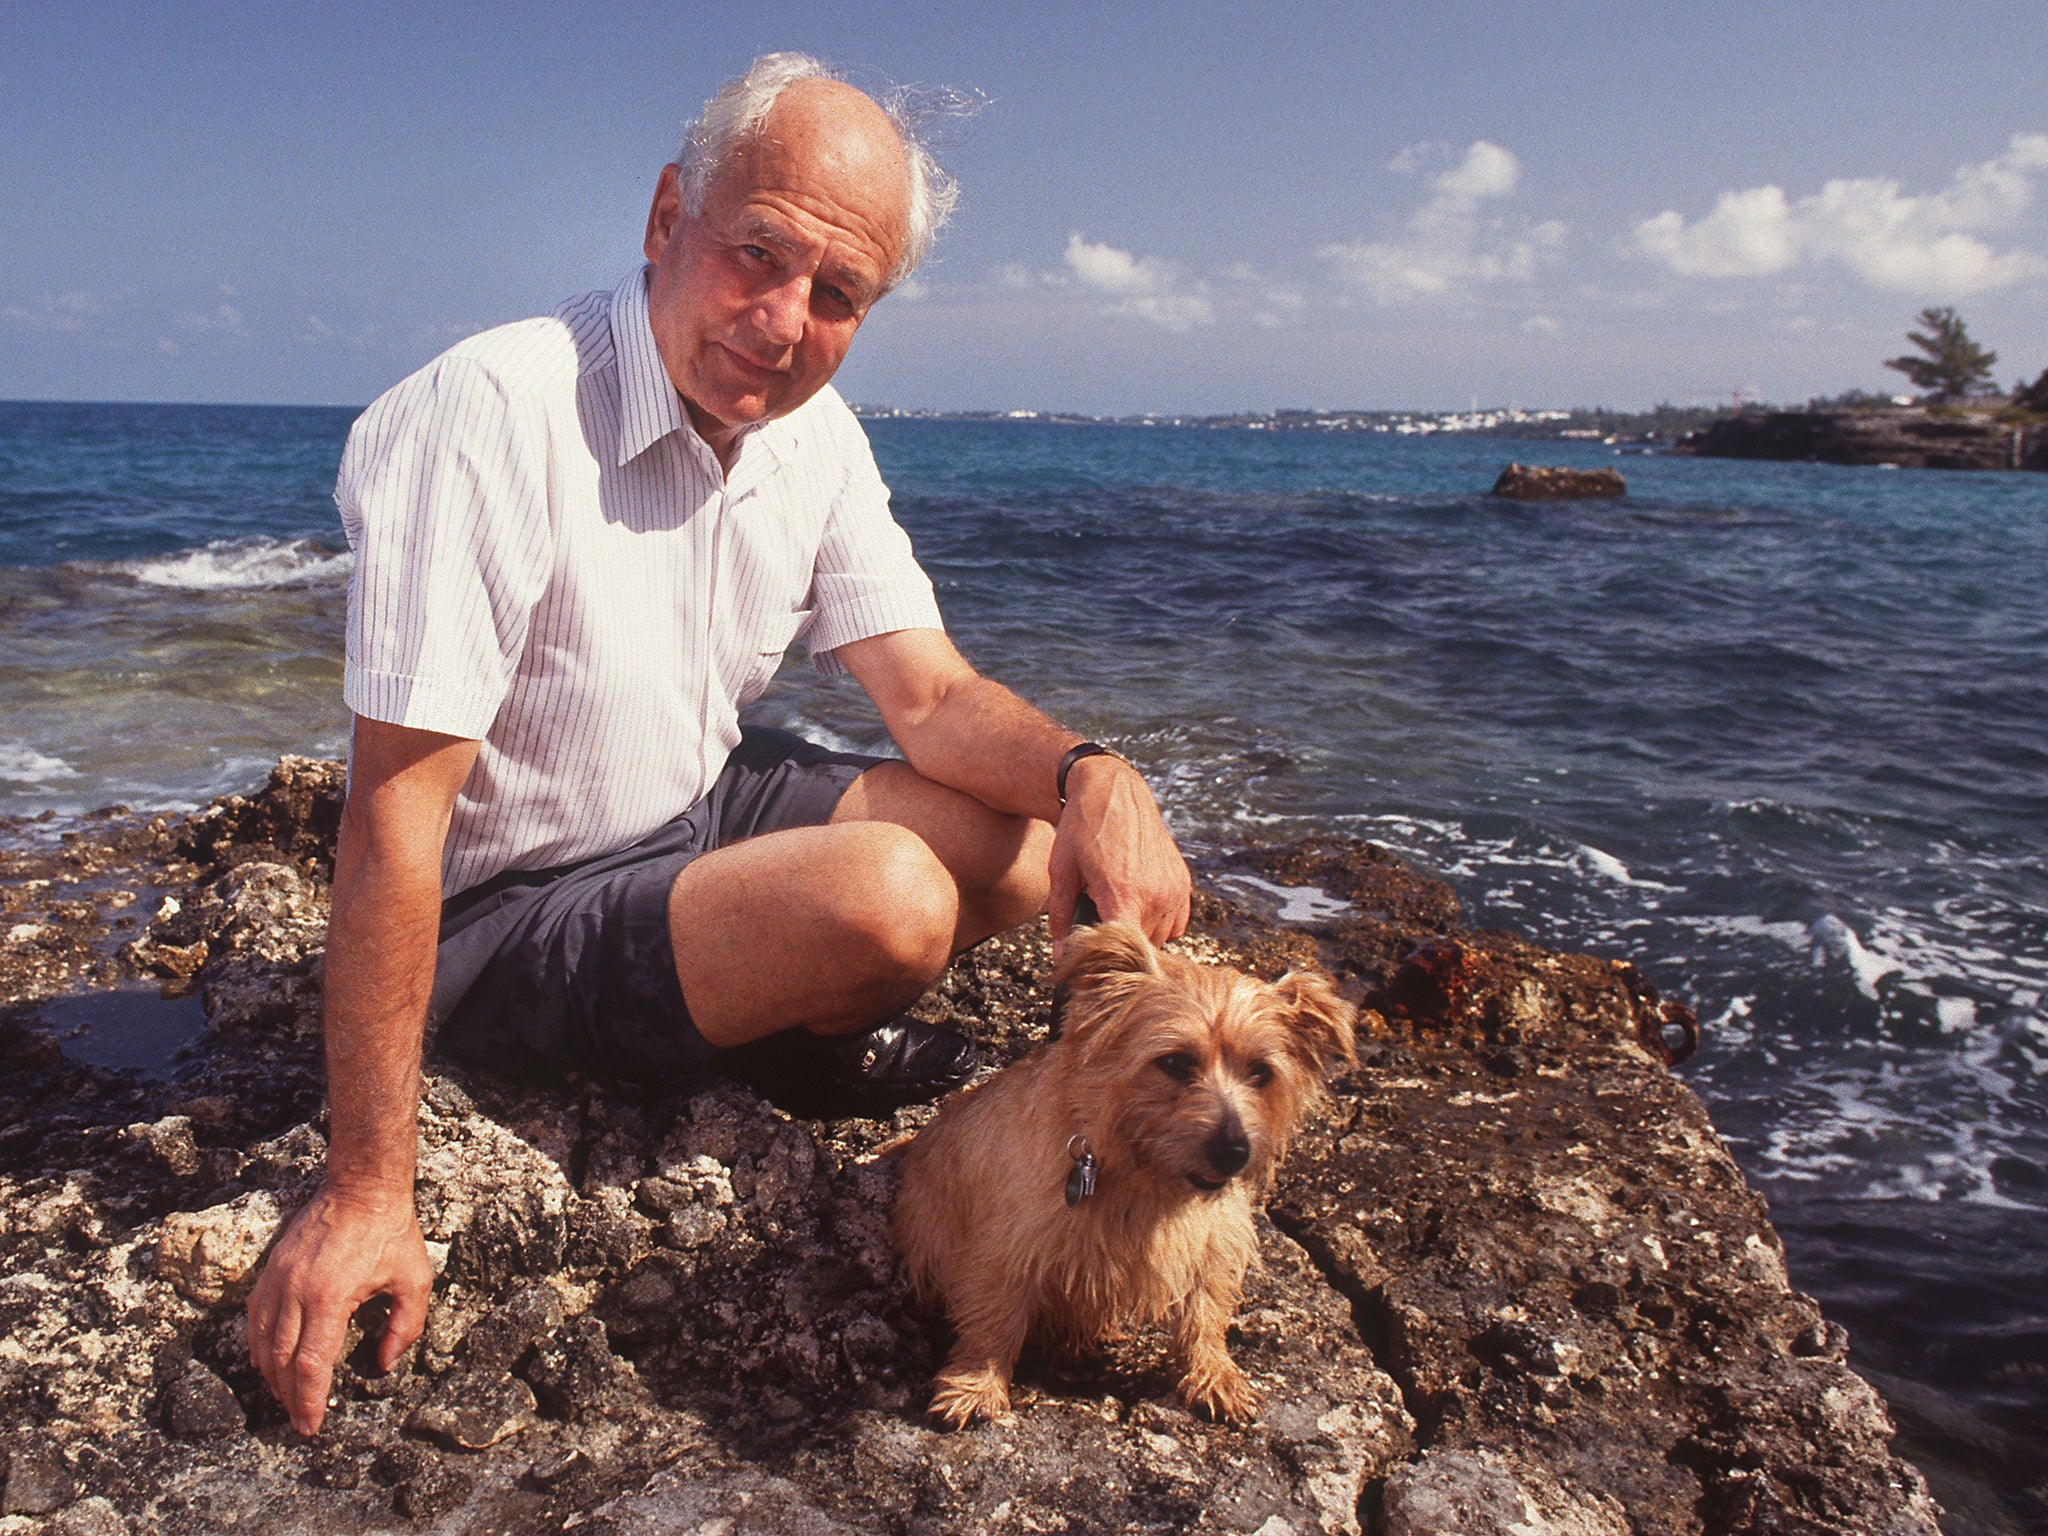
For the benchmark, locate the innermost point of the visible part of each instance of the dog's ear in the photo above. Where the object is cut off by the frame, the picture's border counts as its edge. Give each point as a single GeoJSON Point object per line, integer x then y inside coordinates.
{"type": "Point", "coordinates": [1107, 950]}
{"type": "Point", "coordinates": [1320, 1021]}
{"type": "Point", "coordinates": [1101, 962]}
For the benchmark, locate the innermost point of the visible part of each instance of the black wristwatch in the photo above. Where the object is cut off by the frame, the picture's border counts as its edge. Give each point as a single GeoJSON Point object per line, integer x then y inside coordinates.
{"type": "Point", "coordinates": [1074, 754]}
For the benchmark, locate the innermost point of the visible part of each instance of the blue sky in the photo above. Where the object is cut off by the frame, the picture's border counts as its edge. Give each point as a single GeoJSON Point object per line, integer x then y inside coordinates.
{"type": "Point", "coordinates": [1195, 207]}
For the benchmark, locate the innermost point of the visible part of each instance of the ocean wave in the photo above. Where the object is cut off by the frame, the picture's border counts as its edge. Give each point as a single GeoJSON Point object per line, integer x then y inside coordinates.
{"type": "Point", "coordinates": [226, 564]}
{"type": "Point", "coordinates": [21, 763]}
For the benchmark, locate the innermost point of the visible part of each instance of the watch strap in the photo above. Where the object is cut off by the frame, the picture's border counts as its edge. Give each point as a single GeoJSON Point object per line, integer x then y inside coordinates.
{"type": "Point", "coordinates": [1073, 755]}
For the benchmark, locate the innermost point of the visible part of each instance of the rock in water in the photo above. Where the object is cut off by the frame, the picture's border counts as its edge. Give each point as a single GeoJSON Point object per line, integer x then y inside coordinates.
{"type": "Point", "coordinates": [1549, 482]}
{"type": "Point", "coordinates": [1910, 438]}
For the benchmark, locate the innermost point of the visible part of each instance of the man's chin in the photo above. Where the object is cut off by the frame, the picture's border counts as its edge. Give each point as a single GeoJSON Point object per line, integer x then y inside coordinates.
{"type": "Point", "coordinates": [731, 414]}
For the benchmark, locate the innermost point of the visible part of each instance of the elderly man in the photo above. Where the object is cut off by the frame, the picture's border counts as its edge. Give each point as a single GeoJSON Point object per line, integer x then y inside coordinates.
{"type": "Point", "coordinates": [583, 544]}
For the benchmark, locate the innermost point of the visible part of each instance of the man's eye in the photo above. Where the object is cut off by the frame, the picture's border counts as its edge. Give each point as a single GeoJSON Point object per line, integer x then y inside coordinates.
{"type": "Point", "coordinates": [756, 252]}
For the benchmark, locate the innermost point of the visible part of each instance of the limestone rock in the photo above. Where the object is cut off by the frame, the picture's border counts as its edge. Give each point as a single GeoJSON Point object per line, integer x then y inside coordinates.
{"type": "Point", "coordinates": [1514, 1250]}
{"type": "Point", "coordinates": [1910, 437]}
{"type": "Point", "coordinates": [38, 1481]}
{"type": "Point", "coordinates": [577, 1375]}
{"type": "Point", "coordinates": [423, 1487]}
{"type": "Point", "coordinates": [198, 1405]}
{"type": "Point", "coordinates": [1480, 1494]}
{"type": "Point", "coordinates": [1544, 482]}
{"type": "Point", "coordinates": [474, 1410]}
{"type": "Point", "coordinates": [211, 1255]}
{"type": "Point", "coordinates": [95, 1516]}
{"type": "Point", "coordinates": [512, 1328]}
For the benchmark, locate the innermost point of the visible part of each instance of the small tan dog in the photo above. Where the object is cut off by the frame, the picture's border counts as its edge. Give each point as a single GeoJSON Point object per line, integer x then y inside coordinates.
{"type": "Point", "coordinates": [1108, 1179]}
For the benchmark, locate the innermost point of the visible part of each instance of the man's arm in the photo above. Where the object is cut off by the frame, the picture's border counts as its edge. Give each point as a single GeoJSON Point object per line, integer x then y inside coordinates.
{"type": "Point", "coordinates": [358, 1236]}
{"type": "Point", "coordinates": [972, 734]}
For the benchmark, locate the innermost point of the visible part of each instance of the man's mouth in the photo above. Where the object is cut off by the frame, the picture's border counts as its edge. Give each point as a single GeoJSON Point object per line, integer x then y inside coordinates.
{"type": "Point", "coordinates": [748, 367]}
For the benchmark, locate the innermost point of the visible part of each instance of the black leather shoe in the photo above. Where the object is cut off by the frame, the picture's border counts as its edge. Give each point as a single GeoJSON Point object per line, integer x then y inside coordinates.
{"type": "Point", "coordinates": [900, 1061]}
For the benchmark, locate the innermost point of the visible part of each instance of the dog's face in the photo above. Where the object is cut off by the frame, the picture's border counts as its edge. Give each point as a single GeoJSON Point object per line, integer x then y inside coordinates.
{"type": "Point", "coordinates": [1202, 1071]}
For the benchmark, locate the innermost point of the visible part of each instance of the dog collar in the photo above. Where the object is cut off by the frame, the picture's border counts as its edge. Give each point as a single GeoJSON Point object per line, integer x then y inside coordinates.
{"type": "Point", "coordinates": [1081, 1177]}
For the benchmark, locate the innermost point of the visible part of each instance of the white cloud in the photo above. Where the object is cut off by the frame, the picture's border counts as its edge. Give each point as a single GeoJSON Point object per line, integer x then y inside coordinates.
{"type": "Point", "coordinates": [223, 318]}
{"type": "Point", "coordinates": [1013, 274]}
{"type": "Point", "coordinates": [911, 289]}
{"type": "Point", "coordinates": [1143, 286]}
{"type": "Point", "coordinates": [1891, 239]}
{"type": "Point", "coordinates": [1447, 246]}
{"type": "Point", "coordinates": [1541, 325]}
{"type": "Point", "coordinates": [56, 312]}
{"type": "Point", "coordinates": [1273, 303]}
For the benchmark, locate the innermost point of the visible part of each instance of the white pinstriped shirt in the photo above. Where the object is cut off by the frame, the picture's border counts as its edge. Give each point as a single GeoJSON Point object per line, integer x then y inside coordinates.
{"type": "Point", "coordinates": [550, 560]}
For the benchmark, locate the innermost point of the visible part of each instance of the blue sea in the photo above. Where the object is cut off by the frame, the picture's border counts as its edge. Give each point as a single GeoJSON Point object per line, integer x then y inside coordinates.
{"type": "Point", "coordinates": [1777, 732]}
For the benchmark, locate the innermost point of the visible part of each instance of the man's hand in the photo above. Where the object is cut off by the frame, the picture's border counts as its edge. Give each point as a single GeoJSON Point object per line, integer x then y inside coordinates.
{"type": "Point", "coordinates": [339, 1251]}
{"type": "Point", "coordinates": [1112, 844]}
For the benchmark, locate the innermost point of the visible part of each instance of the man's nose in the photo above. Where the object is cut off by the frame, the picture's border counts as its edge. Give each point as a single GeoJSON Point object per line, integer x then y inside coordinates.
{"type": "Point", "coordinates": [783, 310]}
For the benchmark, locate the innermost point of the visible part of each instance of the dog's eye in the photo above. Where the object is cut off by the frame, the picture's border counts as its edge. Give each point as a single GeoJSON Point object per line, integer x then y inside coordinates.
{"type": "Point", "coordinates": [1177, 1065]}
{"type": "Point", "coordinates": [1259, 1073]}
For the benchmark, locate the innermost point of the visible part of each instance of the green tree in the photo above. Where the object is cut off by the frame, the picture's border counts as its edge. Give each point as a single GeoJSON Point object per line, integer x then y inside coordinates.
{"type": "Point", "coordinates": [2033, 397]}
{"type": "Point", "coordinates": [1955, 367]}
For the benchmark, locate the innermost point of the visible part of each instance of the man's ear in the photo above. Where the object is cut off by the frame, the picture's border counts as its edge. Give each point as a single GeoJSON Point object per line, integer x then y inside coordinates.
{"type": "Point", "coordinates": [665, 213]}
{"type": "Point", "coordinates": [1321, 1022]}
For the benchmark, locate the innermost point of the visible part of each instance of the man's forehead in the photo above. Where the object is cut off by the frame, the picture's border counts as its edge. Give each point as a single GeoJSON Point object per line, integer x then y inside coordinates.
{"type": "Point", "coordinates": [825, 152]}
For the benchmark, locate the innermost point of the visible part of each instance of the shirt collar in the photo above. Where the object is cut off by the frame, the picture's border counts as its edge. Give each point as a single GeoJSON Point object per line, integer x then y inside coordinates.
{"type": "Point", "coordinates": [649, 407]}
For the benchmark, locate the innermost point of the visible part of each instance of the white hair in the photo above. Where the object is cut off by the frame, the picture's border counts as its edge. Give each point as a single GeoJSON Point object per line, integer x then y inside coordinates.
{"type": "Point", "coordinates": [736, 113]}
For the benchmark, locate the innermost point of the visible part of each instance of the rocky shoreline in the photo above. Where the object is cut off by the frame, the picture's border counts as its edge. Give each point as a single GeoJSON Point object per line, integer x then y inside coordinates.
{"type": "Point", "coordinates": [1910, 437]}
{"type": "Point", "coordinates": [1513, 1283]}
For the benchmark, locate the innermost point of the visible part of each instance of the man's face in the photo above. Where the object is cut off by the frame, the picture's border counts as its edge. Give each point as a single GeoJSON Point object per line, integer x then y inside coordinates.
{"type": "Point", "coordinates": [754, 300]}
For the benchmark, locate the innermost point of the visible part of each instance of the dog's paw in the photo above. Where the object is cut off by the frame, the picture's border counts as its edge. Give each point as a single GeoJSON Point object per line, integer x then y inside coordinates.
{"type": "Point", "coordinates": [960, 1400]}
{"type": "Point", "coordinates": [1223, 1394]}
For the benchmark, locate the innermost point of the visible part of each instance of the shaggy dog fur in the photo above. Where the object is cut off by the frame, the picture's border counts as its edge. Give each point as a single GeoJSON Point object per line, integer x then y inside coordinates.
{"type": "Point", "coordinates": [1186, 1082]}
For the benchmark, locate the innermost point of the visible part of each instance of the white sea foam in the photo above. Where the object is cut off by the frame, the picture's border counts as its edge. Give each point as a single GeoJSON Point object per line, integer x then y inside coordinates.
{"type": "Point", "coordinates": [231, 563]}
{"type": "Point", "coordinates": [1608, 867]}
{"type": "Point", "coordinates": [21, 763]}
{"type": "Point", "coordinates": [1956, 1013]}
{"type": "Point", "coordinates": [1833, 937]}
{"type": "Point", "coordinates": [1298, 903]}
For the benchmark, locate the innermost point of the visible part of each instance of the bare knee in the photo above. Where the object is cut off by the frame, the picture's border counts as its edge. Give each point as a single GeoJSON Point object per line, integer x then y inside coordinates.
{"type": "Point", "coordinates": [903, 913]}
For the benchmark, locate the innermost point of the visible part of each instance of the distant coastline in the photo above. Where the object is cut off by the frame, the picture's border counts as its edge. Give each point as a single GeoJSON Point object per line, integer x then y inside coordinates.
{"type": "Point", "coordinates": [1664, 424]}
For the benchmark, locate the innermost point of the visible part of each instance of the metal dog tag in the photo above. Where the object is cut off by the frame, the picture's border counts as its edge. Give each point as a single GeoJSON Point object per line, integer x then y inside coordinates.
{"type": "Point", "coordinates": [1081, 1180]}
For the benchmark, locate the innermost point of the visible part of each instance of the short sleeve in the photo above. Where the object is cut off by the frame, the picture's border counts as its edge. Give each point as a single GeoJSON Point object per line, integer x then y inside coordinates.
{"type": "Point", "coordinates": [866, 580]}
{"type": "Point", "coordinates": [443, 496]}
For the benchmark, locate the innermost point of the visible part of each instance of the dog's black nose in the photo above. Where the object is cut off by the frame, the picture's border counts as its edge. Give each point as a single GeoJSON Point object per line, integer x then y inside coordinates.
{"type": "Point", "coordinates": [1228, 1150]}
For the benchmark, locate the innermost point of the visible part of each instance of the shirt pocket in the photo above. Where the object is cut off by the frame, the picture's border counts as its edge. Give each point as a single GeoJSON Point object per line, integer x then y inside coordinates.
{"type": "Point", "coordinates": [771, 637]}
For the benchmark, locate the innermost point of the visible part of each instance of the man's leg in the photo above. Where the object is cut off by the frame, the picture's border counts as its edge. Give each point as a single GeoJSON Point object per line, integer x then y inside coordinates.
{"type": "Point", "coordinates": [997, 862]}
{"type": "Point", "coordinates": [833, 928]}
{"type": "Point", "coordinates": [821, 928]}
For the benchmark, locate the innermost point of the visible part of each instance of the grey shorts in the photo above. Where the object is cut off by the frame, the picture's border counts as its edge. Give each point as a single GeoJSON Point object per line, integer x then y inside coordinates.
{"type": "Point", "coordinates": [573, 967]}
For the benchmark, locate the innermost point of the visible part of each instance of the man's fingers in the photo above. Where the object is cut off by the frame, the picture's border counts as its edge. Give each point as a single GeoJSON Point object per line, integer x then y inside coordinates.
{"type": "Point", "coordinates": [281, 1340]}
{"type": "Point", "coordinates": [1059, 905]}
{"type": "Point", "coordinates": [311, 1372]}
{"type": "Point", "coordinates": [408, 1320]}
